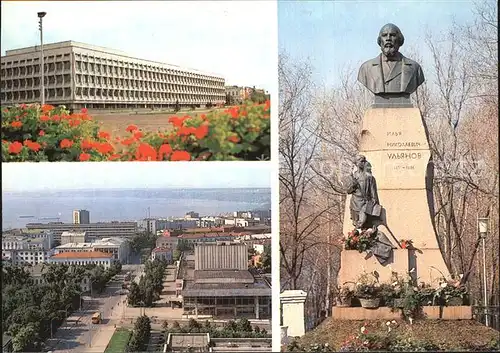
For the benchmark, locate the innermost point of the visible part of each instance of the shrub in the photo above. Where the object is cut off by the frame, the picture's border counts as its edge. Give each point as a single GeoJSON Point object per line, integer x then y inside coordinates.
{"type": "Point", "coordinates": [47, 133]}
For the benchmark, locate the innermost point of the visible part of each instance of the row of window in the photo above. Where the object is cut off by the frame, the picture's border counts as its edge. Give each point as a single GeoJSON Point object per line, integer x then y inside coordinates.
{"type": "Point", "coordinates": [36, 59]}
{"type": "Point", "coordinates": [90, 60]}
{"type": "Point", "coordinates": [35, 69]}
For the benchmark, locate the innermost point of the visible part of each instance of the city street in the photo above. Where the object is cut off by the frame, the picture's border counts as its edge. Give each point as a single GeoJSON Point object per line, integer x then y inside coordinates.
{"type": "Point", "coordinates": [77, 333]}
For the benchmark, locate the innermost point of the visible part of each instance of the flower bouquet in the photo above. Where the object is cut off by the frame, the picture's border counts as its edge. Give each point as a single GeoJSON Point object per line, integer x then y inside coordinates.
{"type": "Point", "coordinates": [406, 243]}
{"type": "Point", "coordinates": [360, 239]}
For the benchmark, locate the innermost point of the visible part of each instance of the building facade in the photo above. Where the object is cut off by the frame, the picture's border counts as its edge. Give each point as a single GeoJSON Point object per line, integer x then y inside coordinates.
{"type": "Point", "coordinates": [73, 237]}
{"type": "Point", "coordinates": [83, 258]}
{"type": "Point", "coordinates": [222, 285]}
{"type": "Point", "coordinates": [118, 248]}
{"type": "Point", "coordinates": [81, 217]}
{"type": "Point", "coordinates": [80, 75]}
{"type": "Point", "coordinates": [26, 249]}
{"type": "Point", "coordinates": [93, 230]}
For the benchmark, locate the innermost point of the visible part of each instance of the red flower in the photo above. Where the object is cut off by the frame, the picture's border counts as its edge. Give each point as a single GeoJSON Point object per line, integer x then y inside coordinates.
{"type": "Point", "coordinates": [186, 131]}
{"type": "Point", "coordinates": [180, 156]}
{"type": "Point", "coordinates": [84, 157]}
{"type": "Point", "coordinates": [34, 146]}
{"type": "Point", "coordinates": [138, 135]}
{"type": "Point", "coordinates": [105, 148]}
{"type": "Point", "coordinates": [178, 121]}
{"type": "Point", "coordinates": [114, 157]}
{"type": "Point", "coordinates": [15, 147]}
{"type": "Point", "coordinates": [145, 153]}
{"type": "Point", "coordinates": [233, 139]}
{"type": "Point", "coordinates": [84, 110]}
{"type": "Point", "coordinates": [165, 150]}
{"type": "Point", "coordinates": [104, 135]}
{"type": "Point", "coordinates": [47, 108]}
{"type": "Point", "coordinates": [57, 117]}
{"type": "Point", "coordinates": [86, 145]}
{"type": "Point", "coordinates": [203, 117]}
{"type": "Point", "coordinates": [23, 106]}
{"type": "Point", "coordinates": [74, 122]}
{"type": "Point", "coordinates": [131, 128]}
{"type": "Point", "coordinates": [16, 124]}
{"type": "Point", "coordinates": [65, 143]}
{"type": "Point", "coordinates": [201, 131]}
{"type": "Point", "coordinates": [403, 245]}
{"type": "Point", "coordinates": [234, 112]}
{"type": "Point", "coordinates": [267, 105]}
{"type": "Point", "coordinates": [128, 142]}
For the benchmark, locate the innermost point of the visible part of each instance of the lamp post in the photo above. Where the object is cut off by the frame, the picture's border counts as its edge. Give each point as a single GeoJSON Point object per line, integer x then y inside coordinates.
{"type": "Point", "coordinates": [41, 15]}
{"type": "Point", "coordinates": [483, 231]}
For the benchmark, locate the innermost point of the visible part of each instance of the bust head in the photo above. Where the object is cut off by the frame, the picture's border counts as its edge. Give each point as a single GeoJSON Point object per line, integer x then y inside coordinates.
{"type": "Point", "coordinates": [390, 39]}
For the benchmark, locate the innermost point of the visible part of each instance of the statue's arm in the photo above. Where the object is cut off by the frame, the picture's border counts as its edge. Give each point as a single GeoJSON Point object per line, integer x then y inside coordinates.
{"type": "Point", "coordinates": [352, 185]}
{"type": "Point", "coordinates": [373, 191]}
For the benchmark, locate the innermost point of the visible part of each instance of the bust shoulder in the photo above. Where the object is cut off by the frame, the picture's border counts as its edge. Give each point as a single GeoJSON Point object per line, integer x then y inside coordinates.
{"type": "Point", "coordinates": [369, 63]}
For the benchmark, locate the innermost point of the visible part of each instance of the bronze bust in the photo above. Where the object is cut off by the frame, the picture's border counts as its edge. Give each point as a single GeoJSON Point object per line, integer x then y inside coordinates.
{"type": "Point", "coordinates": [391, 74]}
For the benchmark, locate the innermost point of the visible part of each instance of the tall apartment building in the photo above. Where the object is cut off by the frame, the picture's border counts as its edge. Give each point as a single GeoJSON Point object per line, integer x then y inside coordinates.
{"type": "Point", "coordinates": [81, 75]}
{"type": "Point", "coordinates": [81, 217]}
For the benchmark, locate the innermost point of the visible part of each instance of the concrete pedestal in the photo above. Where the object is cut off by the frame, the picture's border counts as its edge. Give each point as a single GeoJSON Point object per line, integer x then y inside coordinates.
{"type": "Point", "coordinates": [292, 302]}
{"type": "Point", "coordinates": [394, 141]}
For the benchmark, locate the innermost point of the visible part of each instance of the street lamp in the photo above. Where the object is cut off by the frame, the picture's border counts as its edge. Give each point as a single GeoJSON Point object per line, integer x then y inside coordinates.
{"type": "Point", "coordinates": [483, 231]}
{"type": "Point", "coordinates": [41, 15]}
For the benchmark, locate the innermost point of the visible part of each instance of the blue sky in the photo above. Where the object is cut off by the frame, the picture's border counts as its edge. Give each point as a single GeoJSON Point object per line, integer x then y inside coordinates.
{"type": "Point", "coordinates": [336, 35]}
{"type": "Point", "coordinates": [63, 176]}
{"type": "Point", "coordinates": [237, 39]}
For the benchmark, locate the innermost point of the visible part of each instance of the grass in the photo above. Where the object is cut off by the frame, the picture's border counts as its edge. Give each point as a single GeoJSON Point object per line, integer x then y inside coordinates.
{"type": "Point", "coordinates": [119, 341]}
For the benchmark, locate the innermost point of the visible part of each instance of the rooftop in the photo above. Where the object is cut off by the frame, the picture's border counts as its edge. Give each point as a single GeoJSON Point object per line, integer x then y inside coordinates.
{"type": "Point", "coordinates": [258, 288]}
{"type": "Point", "coordinates": [73, 234]}
{"type": "Point", "coordinates": [223, 276]}
{"type": "Point", "coordinates": [71, 43]}
{"type": "Point", "coordinates": [83, 255]}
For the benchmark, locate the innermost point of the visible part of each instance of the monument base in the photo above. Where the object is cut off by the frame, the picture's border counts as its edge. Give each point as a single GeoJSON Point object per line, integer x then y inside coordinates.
{"type": "Point", "coordinates": [386, 313]}
{"type": "Point", "coordinates": [353, 263]}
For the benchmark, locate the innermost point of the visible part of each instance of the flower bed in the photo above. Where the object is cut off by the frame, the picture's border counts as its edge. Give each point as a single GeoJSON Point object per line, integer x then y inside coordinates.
{"type": "Point", "coordinates": [47, 133]}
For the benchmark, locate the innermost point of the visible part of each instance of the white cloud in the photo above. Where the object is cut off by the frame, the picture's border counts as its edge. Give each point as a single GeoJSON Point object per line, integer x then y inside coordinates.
{"type": "Point", "coordinates": [237, 39]}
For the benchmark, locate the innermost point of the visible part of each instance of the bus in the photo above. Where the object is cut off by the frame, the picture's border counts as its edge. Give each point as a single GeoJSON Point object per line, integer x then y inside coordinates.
{"type": "Point", "coordinates": [96, 318]}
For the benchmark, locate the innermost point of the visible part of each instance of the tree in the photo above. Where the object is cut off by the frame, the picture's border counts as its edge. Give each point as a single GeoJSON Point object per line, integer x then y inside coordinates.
{"type": "Point", "coordinates": [266, 259]}
{"type": "Point", "coordinates": [25, 339]}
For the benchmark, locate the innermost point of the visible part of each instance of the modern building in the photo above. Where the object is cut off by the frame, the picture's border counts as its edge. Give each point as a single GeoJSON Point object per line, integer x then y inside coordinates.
{"type": "Point", "coordinates": [83, 258]}
{"type": "Point", "coordinates": [80, 75]}
{"type": "Point", "coordinates": [147, 225]}
{"type": "Point", "coordinates": [73, 237]}
{"type": "Point", "coordinates": [176, 223]}
{"type": "Point", "coordinates": [221, 285]}
{"type": "Point", "coordinates": [117, 247]}
{"type": "Point", "coordinates": [81, 217]}
{"type": "Point", "coordinates": [92, 230]}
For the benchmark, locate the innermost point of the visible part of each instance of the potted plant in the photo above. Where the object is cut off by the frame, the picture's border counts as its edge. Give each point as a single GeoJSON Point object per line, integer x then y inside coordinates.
{"type": "Point", "coordinates": [367, 290]}
{"type": "Point", "coordinates": [344, 296]}
{"type": "Point", "coordinates": [453, 293]}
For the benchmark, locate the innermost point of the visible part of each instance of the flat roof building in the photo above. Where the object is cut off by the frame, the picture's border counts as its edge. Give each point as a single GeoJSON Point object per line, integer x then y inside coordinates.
{"type": "Point", "coordinates": [81, 75]}
{"type": "Point", "coordinates": [93, 230]}
{"type": "Point", "coordinates": [220, 284]}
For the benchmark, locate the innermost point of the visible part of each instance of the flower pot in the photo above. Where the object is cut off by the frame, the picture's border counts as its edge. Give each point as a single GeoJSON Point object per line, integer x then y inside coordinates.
{"type": "Point", "coordinates": [344, 303]}
{"type": "Point", "coordinates": [398, 303]}
{"type": "Point", "coordinates": [457, 301]}
{"type": "Point", "coordinates": [371, 303]}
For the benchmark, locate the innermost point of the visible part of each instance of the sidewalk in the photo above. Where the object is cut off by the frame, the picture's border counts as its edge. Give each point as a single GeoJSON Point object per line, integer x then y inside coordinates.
{"type": "Point", "coordinates": [101, 339]}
